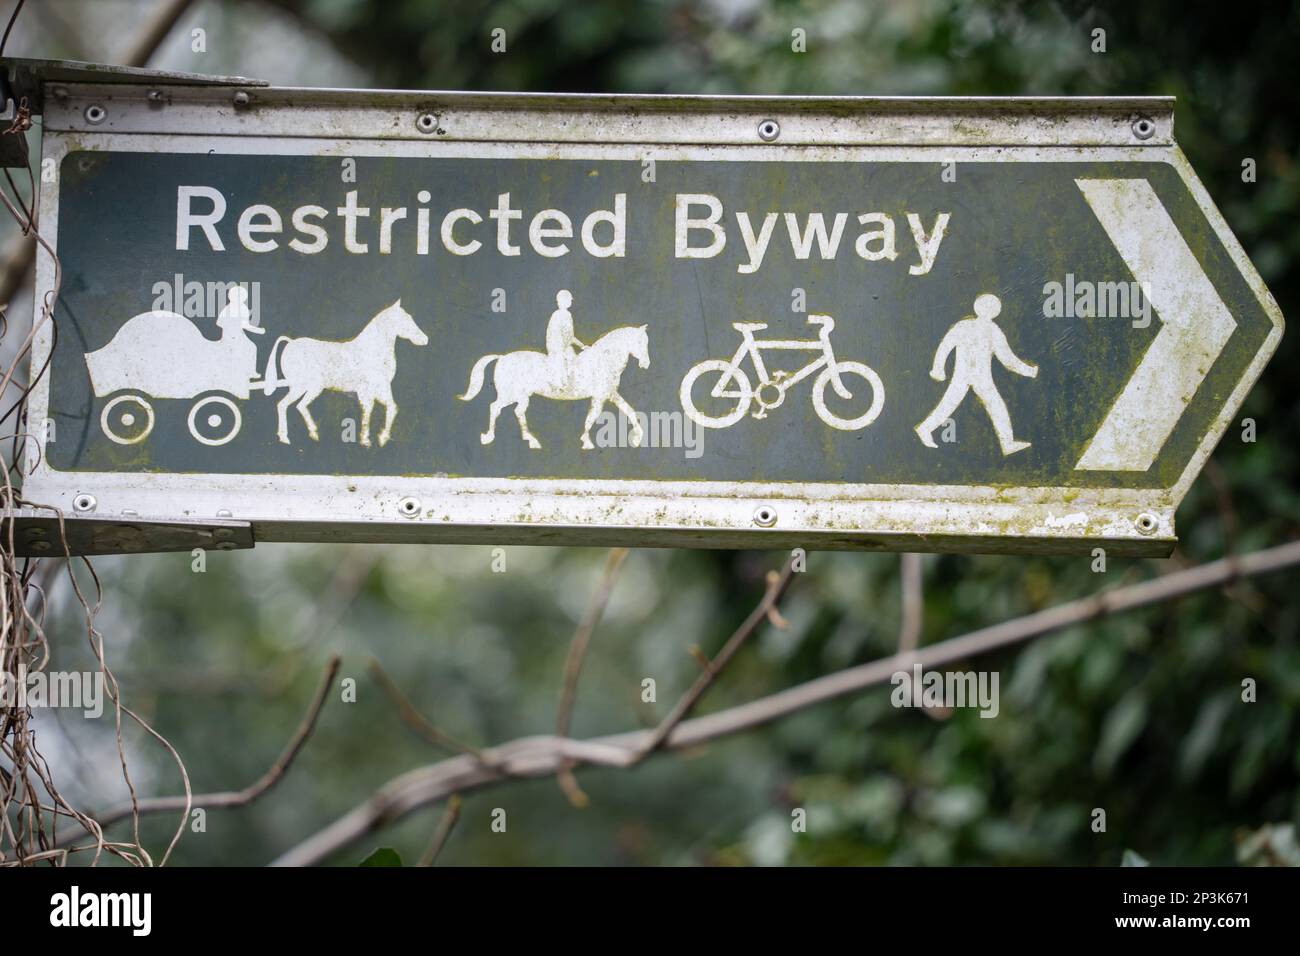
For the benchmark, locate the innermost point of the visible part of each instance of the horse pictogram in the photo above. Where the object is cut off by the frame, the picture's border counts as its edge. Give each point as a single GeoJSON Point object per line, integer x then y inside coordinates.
{"type": "Point", "coordinates": [363, 365]}
{"type": "Point", "coordinates": [593, 374]}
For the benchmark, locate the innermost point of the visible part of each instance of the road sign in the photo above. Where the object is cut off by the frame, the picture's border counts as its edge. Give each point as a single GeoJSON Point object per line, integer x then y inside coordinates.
{"type": "Point", "coordinates": [1002, 325]}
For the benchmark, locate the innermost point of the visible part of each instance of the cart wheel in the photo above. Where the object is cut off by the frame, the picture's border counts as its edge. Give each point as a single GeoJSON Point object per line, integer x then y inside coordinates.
{"type": "Point", "coordinates": [127, 419]}
{"type": "Point", "coordinates": [221, 420]}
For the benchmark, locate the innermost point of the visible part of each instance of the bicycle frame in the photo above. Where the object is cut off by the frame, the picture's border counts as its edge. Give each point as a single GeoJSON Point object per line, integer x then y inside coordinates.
{"type": "Point", "coordinates": [754, 349]}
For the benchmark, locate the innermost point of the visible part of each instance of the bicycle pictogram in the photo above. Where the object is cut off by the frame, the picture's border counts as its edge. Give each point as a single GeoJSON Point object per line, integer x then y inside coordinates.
{"type": "Point", "coordinates": [733, 384]}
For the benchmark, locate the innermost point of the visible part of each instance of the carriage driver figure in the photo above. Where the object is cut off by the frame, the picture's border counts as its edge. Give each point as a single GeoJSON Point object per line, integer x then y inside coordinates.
{"type": "Point", "coordinates": [240, 351]}
{"type": "Point", "coordinates": [560, 340]}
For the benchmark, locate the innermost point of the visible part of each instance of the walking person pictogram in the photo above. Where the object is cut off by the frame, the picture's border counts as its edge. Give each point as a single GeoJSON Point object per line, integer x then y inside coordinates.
{"type": "Point", "coordinates": [976, 340]}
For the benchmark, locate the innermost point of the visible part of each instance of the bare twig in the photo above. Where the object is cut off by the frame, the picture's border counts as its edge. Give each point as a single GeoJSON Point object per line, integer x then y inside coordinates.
{"type": "Point", "coordinates": [22, 251]}
{"type": "Point", "coordinates": [238, 798]}
{"type": "Point", "coordinates": [13, 18]}
{"type": "Point", "coordinates": [698, 655]}
{"type": "Point", "coordinates": [909, 631]}
{"type": "Point", "coordinates": [19, 255]}
{"type": "Point", "coordinates": [445, 825]}
{"type": "Point", "coordinates": [573, 664]}
{"type": "Point", "coordinates": [777, 583]}
{"type": "Point", "coordinates": [913, 620]}
{"type": "Point", "coordinates": [146, 44]}
{"type": "Point", "coordinates": [22, 638]}
{"type": "Point", "coordinates": [413, 718]}
{"type": "Point", "coordinates": [545, 755]}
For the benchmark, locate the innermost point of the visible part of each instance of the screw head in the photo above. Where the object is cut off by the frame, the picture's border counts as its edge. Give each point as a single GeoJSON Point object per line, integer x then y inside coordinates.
{"type": "Point", "coordinates": [765, 516]}
{"type": "Point", "coordinates": [40, 546]}
{"type": "Point", "coordinates": [154, 96]}
{"type": "Point", "coordinates": [226, 546]}
{"type": "Point", "coordinates": [83, 503]}
{"type": "Point", "coordinates": [769, 130]}
{"type": "Point", "coordinates": [1147, 522]}
{"type": "Point", "coordinates": [409, 507]}
{"type": "Point", "coordinates": [241, 98]}
{"type": "Point", "coordinates": [95, 114]}
{"type": "Point", "coordinates": [1144, 127]}
{"type": "Point", "coordinates": [426, 123]}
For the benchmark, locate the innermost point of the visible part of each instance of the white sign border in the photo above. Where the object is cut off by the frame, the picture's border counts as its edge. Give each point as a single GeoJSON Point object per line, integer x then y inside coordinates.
{"type": "Point", "coordinates": [706, 513]}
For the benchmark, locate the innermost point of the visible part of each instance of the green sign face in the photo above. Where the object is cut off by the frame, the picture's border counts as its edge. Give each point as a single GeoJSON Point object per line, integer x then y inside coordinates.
{"type": "Point", "coordinates": [1056, 330]}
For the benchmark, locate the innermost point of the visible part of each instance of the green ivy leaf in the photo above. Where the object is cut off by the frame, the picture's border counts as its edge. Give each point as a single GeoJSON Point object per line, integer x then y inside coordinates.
{"type": "Point", "coordinates": [1133, 858]}
{"type": "Point", "coordinates": [382, 856]}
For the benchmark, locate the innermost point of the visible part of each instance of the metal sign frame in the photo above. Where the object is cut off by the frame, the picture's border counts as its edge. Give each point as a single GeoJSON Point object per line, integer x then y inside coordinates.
{"type": "Point", "coordinates": [242, 120]}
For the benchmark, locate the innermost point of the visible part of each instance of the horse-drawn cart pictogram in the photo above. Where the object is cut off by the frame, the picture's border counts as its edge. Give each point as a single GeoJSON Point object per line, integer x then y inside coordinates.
{"type": "Point", "coordinates": [163, 355]}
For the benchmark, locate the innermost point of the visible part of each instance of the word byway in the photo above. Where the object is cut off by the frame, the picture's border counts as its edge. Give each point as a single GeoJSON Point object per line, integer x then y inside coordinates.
{"type": "Point", "coordinates": [702, 214]}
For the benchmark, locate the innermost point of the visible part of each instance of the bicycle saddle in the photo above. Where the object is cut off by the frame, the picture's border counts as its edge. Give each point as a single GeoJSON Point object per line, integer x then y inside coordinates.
{"type": "Point", "coordinates": [749, 326]}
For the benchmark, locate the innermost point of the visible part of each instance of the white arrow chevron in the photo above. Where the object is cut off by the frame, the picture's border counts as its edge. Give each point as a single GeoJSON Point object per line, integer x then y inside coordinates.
{"type": "Point", "coordinates": [1195, 325]}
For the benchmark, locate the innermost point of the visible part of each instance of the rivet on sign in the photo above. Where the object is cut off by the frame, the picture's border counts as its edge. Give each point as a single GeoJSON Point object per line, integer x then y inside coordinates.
{"type": "Point", "coordinates": [241, 98]}
{"type": "Point", "coordinates": [1143, 128]}
{"type": "Point", "coordinates": [84, 503]}
{"type": "Point", "coordinates": [223, 513]}
{"type": "Point", "coordinates": [223, 533]}
{"type": "Point", "coordinates": [95, 114]}
{"type": "Point", "coordinates": [40, 546]}
{"type": "Point", "coordinates": [765, 516]}
{"type": "Point", "coordinates": [426, 123]}
{"type": "Point", "coordinates": [1146, 522]}
{"type": "Point", "coordinates": [409, 507]}
{"type": "Point", "coordinates": [769, 130]}
{"type": "Point", "coordinates": [154, 96]}
{"type": "Point", "coordinates": [35, 532]}
{"type": "Point", "coordinates": [226, 546]}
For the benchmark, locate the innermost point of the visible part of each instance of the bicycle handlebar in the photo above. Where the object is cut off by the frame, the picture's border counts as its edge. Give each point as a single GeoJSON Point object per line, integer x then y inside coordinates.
{"type": "Point", "coordinates": [819, 319]}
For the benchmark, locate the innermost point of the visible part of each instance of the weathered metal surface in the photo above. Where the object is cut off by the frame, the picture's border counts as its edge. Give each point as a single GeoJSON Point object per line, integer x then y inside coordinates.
{"type": "Point", "coordinates": [38, 533]}
{"type": "Point", "coordinates": [22, 77]}
{"type": "Point", "coordinates": [24, 82]}
{"type": "Point", "coordinates": [1112, 417]}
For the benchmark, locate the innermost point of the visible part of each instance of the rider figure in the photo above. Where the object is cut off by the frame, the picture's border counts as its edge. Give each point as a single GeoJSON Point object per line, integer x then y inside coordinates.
{"type": "Point", "coordinates": [560, 340]}
{"type": "Point", "coordinates": [235, 321]}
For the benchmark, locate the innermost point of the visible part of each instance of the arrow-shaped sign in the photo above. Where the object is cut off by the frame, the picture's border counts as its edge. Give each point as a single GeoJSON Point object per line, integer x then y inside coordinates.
{"type": "Point", "coordinates": [1196, 325]}
{"type": "Point", "coordinates": [840, 323]}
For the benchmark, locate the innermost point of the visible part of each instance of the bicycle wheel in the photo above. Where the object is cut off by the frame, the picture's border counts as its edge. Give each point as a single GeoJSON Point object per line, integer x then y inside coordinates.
{"type": "Point", "coordinates": [875, 391]}
{"type": "Point", "coordinates": [741, 392]}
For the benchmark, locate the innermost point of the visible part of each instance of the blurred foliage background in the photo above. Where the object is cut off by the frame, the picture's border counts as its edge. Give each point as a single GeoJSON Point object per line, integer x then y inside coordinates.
{"type": "Point", "coordinates": [1140, 715]}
